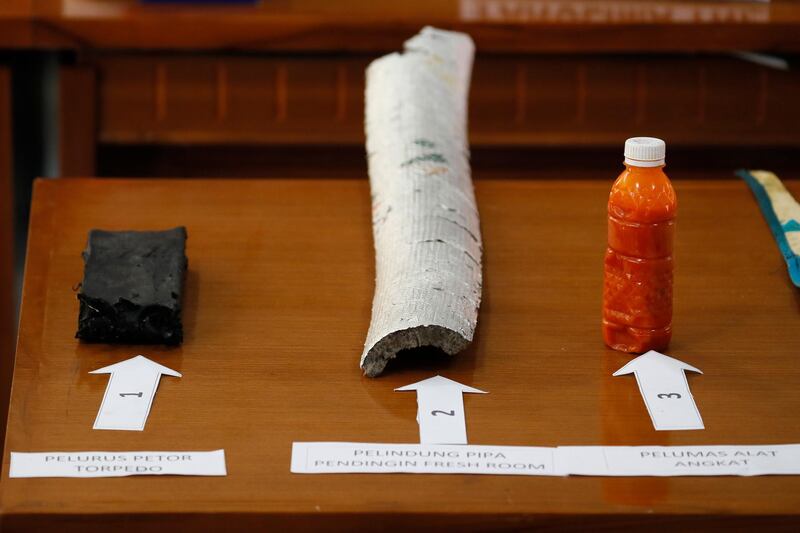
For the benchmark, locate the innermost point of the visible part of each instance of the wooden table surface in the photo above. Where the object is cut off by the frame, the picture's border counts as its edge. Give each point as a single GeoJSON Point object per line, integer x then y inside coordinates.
{"type": "Point", "coordinates": [277, 306]}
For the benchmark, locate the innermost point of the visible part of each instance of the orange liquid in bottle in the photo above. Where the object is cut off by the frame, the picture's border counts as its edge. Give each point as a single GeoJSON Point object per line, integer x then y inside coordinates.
{"type": "Point", "coordinates": [637, 291]}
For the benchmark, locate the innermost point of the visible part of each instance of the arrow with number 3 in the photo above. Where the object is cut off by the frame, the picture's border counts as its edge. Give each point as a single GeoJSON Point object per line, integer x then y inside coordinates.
{"type": "Point", "coordinates": [665, 391]}
{"type": "Point", "coordinates": [440, 410]}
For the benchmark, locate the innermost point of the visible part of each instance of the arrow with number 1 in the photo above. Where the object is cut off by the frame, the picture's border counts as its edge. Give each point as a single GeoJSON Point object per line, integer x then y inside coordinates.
{"type": "Point", "coordinates": [665, 390]}
{"type": "Point", "coordinates": [440, 410]}
{"type": "Point", "coordinates": [130, 392]}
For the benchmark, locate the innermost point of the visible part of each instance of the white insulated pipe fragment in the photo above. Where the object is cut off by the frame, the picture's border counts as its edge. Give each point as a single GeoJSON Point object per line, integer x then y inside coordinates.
{"type": "Point", "coordinates": [424, 217]}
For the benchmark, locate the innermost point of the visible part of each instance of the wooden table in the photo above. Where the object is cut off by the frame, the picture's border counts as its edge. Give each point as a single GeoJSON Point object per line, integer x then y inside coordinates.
{"type": "Point", "coordinates": [277, 306]}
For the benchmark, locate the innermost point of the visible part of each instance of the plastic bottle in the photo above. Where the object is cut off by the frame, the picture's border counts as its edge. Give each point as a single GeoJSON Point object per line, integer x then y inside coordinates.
{"type": "Point", "coordinates": [637, 290]}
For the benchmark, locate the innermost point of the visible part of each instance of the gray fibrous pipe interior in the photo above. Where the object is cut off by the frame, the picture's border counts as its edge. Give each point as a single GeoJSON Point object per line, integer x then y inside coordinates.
{"type": "Point", "coordinates": [425, 220]}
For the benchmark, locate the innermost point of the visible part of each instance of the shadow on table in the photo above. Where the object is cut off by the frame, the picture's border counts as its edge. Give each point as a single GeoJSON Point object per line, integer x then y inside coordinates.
{"type": "Point", "coordinates": [626, 423]}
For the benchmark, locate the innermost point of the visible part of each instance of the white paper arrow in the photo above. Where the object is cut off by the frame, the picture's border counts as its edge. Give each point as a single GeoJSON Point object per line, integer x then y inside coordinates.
{"type": "Point", "coordinates": [665, 390]}
{"type": "Point", "coordinates": [129, 394]}
{"type": "Point", "coordinates": [440, 410]}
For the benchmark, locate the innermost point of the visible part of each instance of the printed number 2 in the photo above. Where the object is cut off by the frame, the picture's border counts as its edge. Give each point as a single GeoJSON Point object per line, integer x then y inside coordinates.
{"type": "Point", "coordinates": [669, 395]}
{"type": "Point", "coordinates": [448, 413]}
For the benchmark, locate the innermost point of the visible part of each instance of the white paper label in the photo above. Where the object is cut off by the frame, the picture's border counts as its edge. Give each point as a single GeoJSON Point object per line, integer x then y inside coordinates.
{"type": "Point", "coordinates": [352, 457]}
{"type": "Point", "coordinates": [117, 464]}
{"type": "Point", "coordinates": [681, 460]}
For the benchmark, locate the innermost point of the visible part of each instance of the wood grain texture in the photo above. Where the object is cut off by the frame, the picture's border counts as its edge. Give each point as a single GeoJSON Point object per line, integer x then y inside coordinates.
{"type": "Point", "coordinates": [227, 99]}
{"type": "Point", "coordinates": [7, 278]}
{"type": "Point", "coordinates": [496, 25]}
{"type": "Point", "coordinates": [21, 28]}
{"type": "Point", "coordinates": [16, 23]}
{"type": "Point", "coordinates": [77, 128]}
{"type": "Point", "coordinates": [277, 305]}
{"type": "Point", "coordinates": [516, 100]}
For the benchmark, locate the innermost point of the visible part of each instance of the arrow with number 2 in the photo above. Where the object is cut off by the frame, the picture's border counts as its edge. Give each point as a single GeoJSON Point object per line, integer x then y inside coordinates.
{"type": "Point", "coordinates": [665, 391]}
{"type": "Point", "coordinates": [440, 410]}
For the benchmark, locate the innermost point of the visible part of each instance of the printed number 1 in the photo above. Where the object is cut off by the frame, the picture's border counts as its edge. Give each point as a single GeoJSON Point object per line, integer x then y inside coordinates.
{"type": "Point", "coordinates": [451, 412]}
{"type": "Point", "coordinates": [669, 395]}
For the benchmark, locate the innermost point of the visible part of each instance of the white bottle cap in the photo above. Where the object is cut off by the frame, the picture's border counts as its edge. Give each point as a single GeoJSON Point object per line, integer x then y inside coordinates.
{"type": "Point", "coordinates": [645, 152]}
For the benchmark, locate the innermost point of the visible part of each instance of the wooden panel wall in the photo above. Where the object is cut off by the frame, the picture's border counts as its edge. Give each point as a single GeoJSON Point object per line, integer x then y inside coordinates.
{"type": "Point", "coordinates": [230, 100]}
{"type": "Point", "coordinates": [516, 100]}
{"type": "Point", "coordinates": [77, 128]}
{"type": "Point", "coordinates": [497, 26]}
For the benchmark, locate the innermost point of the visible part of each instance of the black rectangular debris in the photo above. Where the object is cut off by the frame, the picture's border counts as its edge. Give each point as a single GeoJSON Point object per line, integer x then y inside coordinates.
{"type": "Point", "coordinates": [132, 287]}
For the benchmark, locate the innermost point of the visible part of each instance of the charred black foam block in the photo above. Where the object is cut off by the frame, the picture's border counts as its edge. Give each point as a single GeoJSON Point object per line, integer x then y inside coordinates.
{"type": "Point", "coordinates": [132, 287]}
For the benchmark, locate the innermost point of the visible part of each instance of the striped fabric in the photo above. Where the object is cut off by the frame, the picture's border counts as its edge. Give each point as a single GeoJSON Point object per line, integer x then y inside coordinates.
{"type": "Point", "coordinates": [782, 213]}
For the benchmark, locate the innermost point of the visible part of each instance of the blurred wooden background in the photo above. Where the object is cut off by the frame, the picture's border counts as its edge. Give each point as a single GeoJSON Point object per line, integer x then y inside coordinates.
{"type": "Point", "coordinates": [137, 80]}
{"type": "Point", "coordinates": [7, 300]}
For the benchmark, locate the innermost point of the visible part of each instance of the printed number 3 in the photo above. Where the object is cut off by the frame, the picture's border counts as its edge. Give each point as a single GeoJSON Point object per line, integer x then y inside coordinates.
{"type": "Point", "coordinates": [669, 395]}
{"type": "Point", "coordinates": [448, 413]}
